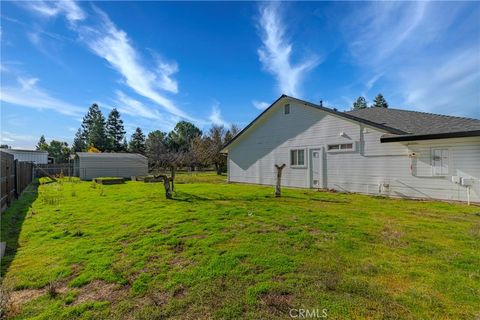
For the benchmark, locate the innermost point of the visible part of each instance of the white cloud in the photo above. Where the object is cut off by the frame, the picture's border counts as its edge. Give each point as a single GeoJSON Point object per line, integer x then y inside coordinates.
{"type": "Point", "coordinates": [216, 116]}
{"type": "Point", "coordinates": [260, 105]}
{"type": "Point", "coordinates": [414, 48]}
{"type": "Point", "coordinates": [28, 94]}
{"type": "Point", "coordinates": [130, 106]}
{"type": "Point", "coordinates": [275, 53]}
{"type": "Point", "coordinates": [113, 45]}
{"type": "Point", "coordinates": [48, 9]}
{"type": "Point", "coordinates": [109, 42]}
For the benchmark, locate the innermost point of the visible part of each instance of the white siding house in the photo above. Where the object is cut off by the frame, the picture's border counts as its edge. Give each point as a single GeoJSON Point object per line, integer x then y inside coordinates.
{"type": "Point", "coordinates": [35, 156]}
{"type": "Point", "coordinates": [90, 165]}
{"type": "Point", "coordinates": [323, 148]}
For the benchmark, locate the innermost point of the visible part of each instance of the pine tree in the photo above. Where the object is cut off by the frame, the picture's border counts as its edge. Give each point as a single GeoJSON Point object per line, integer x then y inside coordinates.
{"type": "Point", "coordinates": [124, 145]}
{"type": "Point", "coordinates": [79, 144]}
{"type": "Point", "coordinates": [115, 131]}
{"type": "Point", "coordinates": [93, 127]}
{"type": "Point", "coordinates": [42, 143]}
{"type": "Point", "coordinates": [380, 102]}
{"type": "Point", "coordinates": [360, 103]}
{"type": "Point", "coordinates": [137, 142]}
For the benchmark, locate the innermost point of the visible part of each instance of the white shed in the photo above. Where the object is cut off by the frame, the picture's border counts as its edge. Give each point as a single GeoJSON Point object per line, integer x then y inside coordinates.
{"type": "Point", "coordinates": [35, 156]}
{"type": "Point", "coordinates": [90, 165]}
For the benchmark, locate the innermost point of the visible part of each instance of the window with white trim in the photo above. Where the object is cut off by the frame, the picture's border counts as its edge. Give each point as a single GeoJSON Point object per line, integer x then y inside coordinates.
{"type": "Point", "coordinates": [440, 158]}
{"type": "Point", "coordinates": [297, 157]}
{"type": "Point", "coordinates": [340, 147]}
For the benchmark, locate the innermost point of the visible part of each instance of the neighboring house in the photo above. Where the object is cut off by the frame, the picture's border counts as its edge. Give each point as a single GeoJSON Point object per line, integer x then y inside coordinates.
{"type": "Point", "coordinates": [374, 151]}
{"type": "Point", "coordinates": [35, 156]}
{"type": "Point", "coordinates": [90, 165]}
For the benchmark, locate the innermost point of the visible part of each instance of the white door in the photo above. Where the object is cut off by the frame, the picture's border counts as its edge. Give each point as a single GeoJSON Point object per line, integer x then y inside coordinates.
{"type": "Point", "coordinates": [316, 168]}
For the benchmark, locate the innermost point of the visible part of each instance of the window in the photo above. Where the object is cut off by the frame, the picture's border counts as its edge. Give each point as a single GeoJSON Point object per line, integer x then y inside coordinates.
{"type": "Point", "coordinates": [297, 157]}
{"type": "Point", "coordinates": [440, 162]}
{"type": "Point", "coordinates": [340, 147]}
{"type": "Point", "coordinates": [286, 108]}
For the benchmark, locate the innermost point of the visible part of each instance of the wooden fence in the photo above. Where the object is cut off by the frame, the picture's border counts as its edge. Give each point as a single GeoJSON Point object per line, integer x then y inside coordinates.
{"type": "Point", "coordinates": [14, 176]}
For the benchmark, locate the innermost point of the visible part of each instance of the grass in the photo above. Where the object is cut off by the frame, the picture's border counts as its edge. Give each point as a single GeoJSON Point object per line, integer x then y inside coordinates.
{"type": "Point", "coordinates": [83, 251]}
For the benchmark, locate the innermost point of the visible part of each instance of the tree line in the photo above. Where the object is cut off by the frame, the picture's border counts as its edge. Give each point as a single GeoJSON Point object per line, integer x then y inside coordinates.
{"type": "Point", "coordinates": [378, 102]}
{"type": "Point", "coordinates": [185, 146]}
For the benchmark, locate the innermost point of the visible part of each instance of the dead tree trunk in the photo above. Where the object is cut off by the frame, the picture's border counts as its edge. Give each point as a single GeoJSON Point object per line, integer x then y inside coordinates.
{"type": "Point", "coordinates": [278, 187]}
{"type": "Point", "coordinates": [172, 176]}
{"type": "Point", "coordinates": [166, 184]}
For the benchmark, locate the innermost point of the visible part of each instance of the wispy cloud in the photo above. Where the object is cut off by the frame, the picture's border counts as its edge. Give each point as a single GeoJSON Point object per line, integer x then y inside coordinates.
{"type": "Point", "coordinates": [130, 106]}
{"type": "Point", "coordinates": [152, 81]}
{"type": "Point", "coordinates": [216, 116]}
{"type": "Point", "coordinates": [48, 9]}
{"type": "Point", "coordinates": [28, 94]}
{"type": "Point", "coordinates": [260, 105]}
{"type": "Point", "coordinates": [114, 45]}
{"type": "Point", "coordinates": [276, 51]}
{"type": "Point", "coordinates": [414, 48]}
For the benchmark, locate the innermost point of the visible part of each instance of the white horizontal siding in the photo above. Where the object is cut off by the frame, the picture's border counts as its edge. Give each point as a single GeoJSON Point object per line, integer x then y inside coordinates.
{"type": "Point", "coordinates": [253, 156]}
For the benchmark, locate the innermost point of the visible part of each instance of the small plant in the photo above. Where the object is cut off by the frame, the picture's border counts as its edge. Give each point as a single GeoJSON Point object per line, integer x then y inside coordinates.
{"type": "Point", "coordinates": [93, 185]}
{"type": "Point", "coordinates": [475, 231]}
{"type": "Point", "coordinates": [102, 192]}
{"type": "Point", "coordinates": [74, 193]}
{"type": "Point", "coordinates": [77, 233]}
{"type": "Point", "coordinates": [52, 289]}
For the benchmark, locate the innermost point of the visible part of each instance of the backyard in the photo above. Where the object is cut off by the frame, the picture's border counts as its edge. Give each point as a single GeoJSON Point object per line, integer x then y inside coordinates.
{"type": "Point", "coordinates": [228, 251]}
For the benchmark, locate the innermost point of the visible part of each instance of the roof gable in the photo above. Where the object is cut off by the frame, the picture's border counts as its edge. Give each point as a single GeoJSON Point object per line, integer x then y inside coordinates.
{"type": "Point", "coordinates": [318, 107]}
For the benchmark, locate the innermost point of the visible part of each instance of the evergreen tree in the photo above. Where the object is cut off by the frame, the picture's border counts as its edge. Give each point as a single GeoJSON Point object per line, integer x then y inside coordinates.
{"type": "Point", "coordinates": [231, 133]}
{"type": "Point", "coordinates": [115, 131]}
{"type": "Point", "coordinates": [155, 147]}
{"type": "Point", "coordinates": [137, 142]}
{"type": "Point", "coordinates": [42, 143]}
{"type": "Point", "coordinates": [124, 145]}
{"type": "Point", "coordinates": [360, 103]}
{"type": "Point", "coordinates": [79, 144]}
{"type": "Point", "coordinates": [93, 127]}
{"type": "Point", "coordinates": [59, 151]}
{"type": "Point", "coordinates": [380, 102]}
{"type": "Point", "coordinates": [180, 138]}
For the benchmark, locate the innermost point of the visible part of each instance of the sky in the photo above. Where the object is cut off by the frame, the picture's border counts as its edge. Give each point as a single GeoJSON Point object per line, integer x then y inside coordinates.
{"type": "Point", "coordinates": [224, 62]}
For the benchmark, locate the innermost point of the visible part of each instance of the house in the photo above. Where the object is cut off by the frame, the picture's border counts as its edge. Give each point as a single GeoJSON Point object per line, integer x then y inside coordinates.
{"type": "Point", "coordinates": [378, 151]}
{"type": "Point", "coordinates": [35, 156]}
{"type": "Point", "coordinates": [90, 165]}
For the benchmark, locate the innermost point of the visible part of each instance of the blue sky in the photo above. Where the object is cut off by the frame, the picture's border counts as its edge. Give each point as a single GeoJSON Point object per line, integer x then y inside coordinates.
{"type": "Point", "coordinates": [221, 62]}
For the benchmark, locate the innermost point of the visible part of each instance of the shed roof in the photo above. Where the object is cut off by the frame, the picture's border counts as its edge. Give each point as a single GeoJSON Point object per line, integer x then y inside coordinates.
{"type": "Point", "coordinates": [107, 155]}
{"type": "Point", "coordinates": [23, 151]}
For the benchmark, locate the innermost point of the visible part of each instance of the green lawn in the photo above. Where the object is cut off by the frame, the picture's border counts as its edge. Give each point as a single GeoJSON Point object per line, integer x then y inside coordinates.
{"type": "Point", "coordinates": [229, 251]}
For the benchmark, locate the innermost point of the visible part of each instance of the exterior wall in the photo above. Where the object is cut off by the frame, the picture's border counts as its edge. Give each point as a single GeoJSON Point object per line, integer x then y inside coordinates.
{"type": "Point", "coordinates": [373, 168]}
{"type": "Point", "coordinates": [93, 167]}
{"type": "Point", "coordinates": [32, 156]}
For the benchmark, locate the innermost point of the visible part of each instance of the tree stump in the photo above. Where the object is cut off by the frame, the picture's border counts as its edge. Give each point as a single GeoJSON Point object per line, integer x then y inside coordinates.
{"type": "Point", "coordinates": [278, 187]}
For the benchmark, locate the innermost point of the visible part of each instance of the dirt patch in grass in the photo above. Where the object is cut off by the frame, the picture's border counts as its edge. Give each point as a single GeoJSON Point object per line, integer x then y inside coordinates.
{"type": "Point", "coordinates": [98, 290]}
{"type": "Point", "coordinates": [392, 236]}
{"type": "Point", "coordinates": [277, 303]}
{"type": "Point", "coordinates": [180, 292]}
{"type": "Point", "coordinates": [178, 261]}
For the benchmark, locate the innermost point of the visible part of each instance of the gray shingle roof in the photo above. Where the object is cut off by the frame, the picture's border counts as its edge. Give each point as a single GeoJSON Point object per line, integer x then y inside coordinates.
{"type": "Point", "coordinates": [417, 123]}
